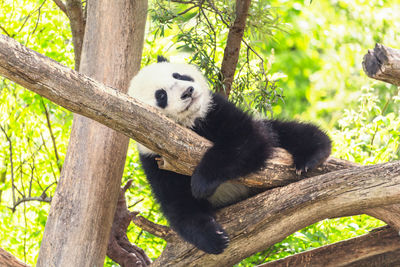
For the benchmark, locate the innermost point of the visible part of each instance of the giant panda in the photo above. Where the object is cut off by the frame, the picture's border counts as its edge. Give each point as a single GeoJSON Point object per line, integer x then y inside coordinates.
{"type": "Point", "coordinates": [241, 145]}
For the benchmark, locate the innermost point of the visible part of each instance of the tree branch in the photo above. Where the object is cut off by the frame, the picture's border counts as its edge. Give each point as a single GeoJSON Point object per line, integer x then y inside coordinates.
{"type": "Point", "coordinates": [53, 139]}
{"type": "Point", "coordinates": [7, 259]}
{"type": "Point", "coordinates": [61, 6]}
{"type": "Point", "coordinates": [42, 198]}
{"type": "Point", "coordinates": [358, 251]}
{"type": "Point", "coordinates": [261, 221]}
{"type": "Point", "coordinates": [77, 21]}
{"type": "Point", "coordinates": [383, 63]}
{"type": "Point", "coordinates": [232, 48]}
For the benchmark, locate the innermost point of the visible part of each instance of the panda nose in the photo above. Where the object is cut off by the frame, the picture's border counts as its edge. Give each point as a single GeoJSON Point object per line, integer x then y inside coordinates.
{"type": "Point", "coordinates": [188, 93]}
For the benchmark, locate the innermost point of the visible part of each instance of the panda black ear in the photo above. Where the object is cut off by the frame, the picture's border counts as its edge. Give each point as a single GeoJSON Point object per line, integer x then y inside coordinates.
{"type": "Point", "coordinates": [161, 59]}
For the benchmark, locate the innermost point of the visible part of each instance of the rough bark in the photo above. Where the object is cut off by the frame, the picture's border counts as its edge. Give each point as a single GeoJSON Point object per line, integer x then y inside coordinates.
{"type": "Point", "coordinates": [383, 63]}
{"type": "Point", "coordinates": [353, 252]}
{"type": "Point", "coordinates": [8, 260]}
{"type": "Point", "coordinates": [78, 226]}
{"type": "Point", "coordinates": [389, 214]}
{"type": "Point", "coordinates": [261, 221]}
{"type": "Point", "coordinates": [232, 48]}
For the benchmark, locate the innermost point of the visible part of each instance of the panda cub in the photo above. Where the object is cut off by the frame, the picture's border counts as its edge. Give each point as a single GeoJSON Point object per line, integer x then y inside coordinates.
{"type": "Point", "coordinates": [241, 146]}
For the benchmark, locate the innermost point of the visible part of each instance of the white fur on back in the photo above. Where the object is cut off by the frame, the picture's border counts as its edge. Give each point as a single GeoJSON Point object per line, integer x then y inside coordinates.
{"type": "Point", "coordinates": [159, 76]}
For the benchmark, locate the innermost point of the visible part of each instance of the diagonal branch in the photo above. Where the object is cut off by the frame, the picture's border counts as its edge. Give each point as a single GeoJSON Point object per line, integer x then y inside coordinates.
{"type": "Point", "coordinates": [61, 6]}
{"type": "Point", "coordinates": [7, 259]}
{"type": "Point", "coordinates": [83, 95]}
{"type": "Point", "coordinates": [232, 48]}
{"type": "Point", "coordinates": [356, 251]}
{"type": "Point", "coordinates": [261, 221]}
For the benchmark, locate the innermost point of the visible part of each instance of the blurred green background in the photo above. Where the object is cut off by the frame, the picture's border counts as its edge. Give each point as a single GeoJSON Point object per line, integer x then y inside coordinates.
{"type": "Point", "coordinates": [310, 52]}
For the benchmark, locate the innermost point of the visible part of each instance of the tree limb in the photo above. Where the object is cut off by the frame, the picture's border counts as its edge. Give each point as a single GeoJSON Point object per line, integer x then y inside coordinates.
{"type": "Point", "coordinates": [43, 198]}
{"type": "Point", "coordinates": [9, 260]}
{"type": "Point", "coordinates": [383, 63]}
{"type": "Point", "coordinates": [61, 6]}
{"type": "Point", "coordinates": [261, 221]}
{"type": "Point", "coordinates": [232, 48]}
{"type": "Point", "coordinates": [77, 21]}
{"type": "Point", "coordinates": [356, 251]}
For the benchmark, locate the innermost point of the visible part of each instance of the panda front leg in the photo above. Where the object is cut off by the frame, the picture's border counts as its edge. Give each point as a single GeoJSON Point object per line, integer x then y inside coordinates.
{"type": "Point", "coordinates": [308, 144]}
{"type": "Point", "coordinates": [223, 162]}
{"type": "Point", "coordinates": [191, 218]}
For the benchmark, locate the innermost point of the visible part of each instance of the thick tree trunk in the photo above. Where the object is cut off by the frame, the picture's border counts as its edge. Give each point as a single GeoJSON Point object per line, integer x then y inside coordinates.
{"type": "Point", "coordinates": [81, 215]}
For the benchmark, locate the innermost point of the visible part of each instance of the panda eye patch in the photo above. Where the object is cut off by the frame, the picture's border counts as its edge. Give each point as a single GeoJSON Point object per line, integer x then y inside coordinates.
{"type": "Point", "coordinates": [161, 98]}
{"type": "Point", "coordinates": [182, 77]}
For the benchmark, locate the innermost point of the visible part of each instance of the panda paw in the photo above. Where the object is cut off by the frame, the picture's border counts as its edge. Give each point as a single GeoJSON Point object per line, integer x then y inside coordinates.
{"type": "Point", "coordinates": [305, 164]}
{"type": "Point", "coordinates": [207, 235]}
{"type": "Point", "coordinates": [202, 188]}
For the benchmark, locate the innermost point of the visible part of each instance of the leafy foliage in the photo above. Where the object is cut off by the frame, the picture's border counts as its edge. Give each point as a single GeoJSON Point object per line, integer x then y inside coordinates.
{"type": "Point", "coordinates": [308, 54]}
{"type": "Point", "coordinates": [200, 30]}
{"type": "Point", "coordinates": [29, 165]}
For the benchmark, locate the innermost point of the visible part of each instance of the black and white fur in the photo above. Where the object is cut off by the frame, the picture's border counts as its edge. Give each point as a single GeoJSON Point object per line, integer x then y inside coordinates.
{"type": "Point", "coordinates": [241, 146]}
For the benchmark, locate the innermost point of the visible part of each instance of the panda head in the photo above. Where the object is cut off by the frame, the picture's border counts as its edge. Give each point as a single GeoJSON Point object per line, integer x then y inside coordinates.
{"type": "Point", "coordinates": [180, 91]}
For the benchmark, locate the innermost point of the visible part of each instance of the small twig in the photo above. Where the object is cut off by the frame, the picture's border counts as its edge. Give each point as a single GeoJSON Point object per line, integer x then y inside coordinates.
{"type": "Point", "coordinates": [134, 204]}
{"type": "Point", "coordinates": [27, 199]}
{"type": "Point", "coordinates": [38, 18]}
{"type": "Point", "coordinates": [53, 139]}
{"type": "Point", "coordinates": [12, 163]}
{"type": "Point", "coordinates": [5, 31]}
{"type": "Point", "coordinates": [43, 195]}
{"type": "Point", "coordinates": [158, 230]}
{"type": "Point", "coordinates": [51, 163]}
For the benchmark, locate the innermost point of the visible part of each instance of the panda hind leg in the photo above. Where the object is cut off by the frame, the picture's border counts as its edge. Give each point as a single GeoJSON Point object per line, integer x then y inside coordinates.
{"type": "Point", "coordinates": [308, 144]}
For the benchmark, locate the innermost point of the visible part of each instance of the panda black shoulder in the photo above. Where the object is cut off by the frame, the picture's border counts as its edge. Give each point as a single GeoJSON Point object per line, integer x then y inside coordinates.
{"type": "Point", "coordinates": [223, 121]}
